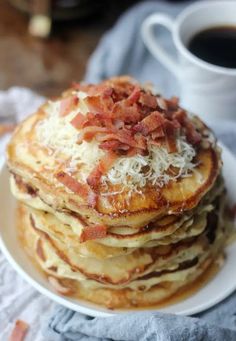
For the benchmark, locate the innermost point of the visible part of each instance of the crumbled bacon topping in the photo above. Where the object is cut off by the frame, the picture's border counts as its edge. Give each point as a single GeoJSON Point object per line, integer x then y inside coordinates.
{"type": "Point", "coordinates": [125, 119]}
{"type": "Point", "coordinates": [77, 187]}
{"type": "Point", "coordinates": [150, 123]}
{"type": "Point", "coordinates": [19, 331]}
{"type": "Point", "coordinates": [71, 183]}
{"type": "Point", "coordinates": [67, 105]}
{"type": "Point", "coordinates": [103, 166]}
{"type": "Point", "coordinates": [93, 232]}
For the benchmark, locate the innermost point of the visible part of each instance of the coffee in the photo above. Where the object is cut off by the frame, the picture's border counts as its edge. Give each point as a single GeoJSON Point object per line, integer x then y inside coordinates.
{"type": "Point", "coordinates": [215, 45]}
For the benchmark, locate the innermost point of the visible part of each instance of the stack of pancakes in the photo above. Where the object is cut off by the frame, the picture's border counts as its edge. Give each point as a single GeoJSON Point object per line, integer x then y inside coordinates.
{"type": "Point", "coordinates": [159, 238]}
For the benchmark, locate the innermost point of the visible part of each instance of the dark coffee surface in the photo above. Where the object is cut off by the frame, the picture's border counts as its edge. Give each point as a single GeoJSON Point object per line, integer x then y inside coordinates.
{"type": "Point", "coordinates": [216, 45]}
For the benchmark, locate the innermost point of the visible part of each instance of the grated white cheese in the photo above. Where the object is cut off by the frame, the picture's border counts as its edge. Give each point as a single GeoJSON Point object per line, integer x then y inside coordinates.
{"type": "Point", "coordinates": [128, 170]}
{"type": "Point", "coordinates": [56, 133]}
{"type": "Point", "coordinates": [59, 135]}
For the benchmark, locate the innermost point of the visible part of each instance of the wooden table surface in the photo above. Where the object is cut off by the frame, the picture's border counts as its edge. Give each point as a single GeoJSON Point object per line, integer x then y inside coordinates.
{"type": "Point", "coordinates": [48, 66]}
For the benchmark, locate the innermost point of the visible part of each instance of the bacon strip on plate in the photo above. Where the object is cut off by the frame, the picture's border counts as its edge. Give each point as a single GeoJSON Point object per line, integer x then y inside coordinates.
{"type": "Point", "coordinates": [19, 331]}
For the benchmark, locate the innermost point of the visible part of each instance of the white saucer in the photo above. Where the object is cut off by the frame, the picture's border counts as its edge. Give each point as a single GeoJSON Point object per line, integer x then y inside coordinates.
{"type": "Point", "coordinates": [223, 284]}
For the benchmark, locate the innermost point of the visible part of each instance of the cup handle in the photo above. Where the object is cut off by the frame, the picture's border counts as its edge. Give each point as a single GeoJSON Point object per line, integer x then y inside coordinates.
{"type": "Point", "coordinates": [152, 43]}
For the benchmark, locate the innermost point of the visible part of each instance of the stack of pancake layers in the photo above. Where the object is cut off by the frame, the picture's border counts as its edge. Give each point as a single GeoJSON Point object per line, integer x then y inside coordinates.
{"type": "Point", "coordinates": [137, 230]}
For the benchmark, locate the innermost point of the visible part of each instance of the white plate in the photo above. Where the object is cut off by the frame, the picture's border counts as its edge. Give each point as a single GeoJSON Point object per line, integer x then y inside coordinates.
{"type": "Point", "coordinates": [223, 284]}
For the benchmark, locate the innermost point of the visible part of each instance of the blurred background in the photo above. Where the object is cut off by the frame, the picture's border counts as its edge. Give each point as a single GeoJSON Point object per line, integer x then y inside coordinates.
{"type": "Point", "coordinates": [45, 44]}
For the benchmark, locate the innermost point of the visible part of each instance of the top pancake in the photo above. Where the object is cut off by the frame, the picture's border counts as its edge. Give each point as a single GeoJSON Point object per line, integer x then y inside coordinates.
{"type": "Point", "coordinates": [37, 165]}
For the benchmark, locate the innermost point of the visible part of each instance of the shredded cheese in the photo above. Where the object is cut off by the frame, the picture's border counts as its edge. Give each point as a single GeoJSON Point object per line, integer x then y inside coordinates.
{"type": "Point", "coordinates": [129, 170]}
{"type": "Point", "coordinates": [61, 137]}
{"type": "Point", "coordinates": [57, 134]}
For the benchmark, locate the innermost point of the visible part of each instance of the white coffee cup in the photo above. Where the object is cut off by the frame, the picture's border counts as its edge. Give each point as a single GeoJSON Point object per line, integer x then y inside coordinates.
{"type": "Point", "coordinates": [206, 89]}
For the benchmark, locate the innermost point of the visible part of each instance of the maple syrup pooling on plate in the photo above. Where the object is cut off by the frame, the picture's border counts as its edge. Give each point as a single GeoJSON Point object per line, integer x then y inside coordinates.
{"type": "Point", "coordinates": [215, 45]}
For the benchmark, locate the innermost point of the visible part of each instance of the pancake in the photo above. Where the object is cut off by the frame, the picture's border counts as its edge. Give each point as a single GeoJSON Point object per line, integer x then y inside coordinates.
{"type": "Point", "coordinates": [117, 269]}
{"type": "Point", "coordinates": [122, 200]}
{"type": "Point", "coordinates": [158, 283]}
{"type": "Point", "coordinates": [38, 166]}
{"type": "Point", "coordinates": [113, 211]}
{"type": "Point", "coordinates": [167, 228]}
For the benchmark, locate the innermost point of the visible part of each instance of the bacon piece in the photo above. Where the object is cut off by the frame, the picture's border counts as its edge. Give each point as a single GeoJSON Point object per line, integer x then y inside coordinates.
{"type": "Point", "coordinates": [159, 142]}
{"type": "Point", "coordinates": [78, 121]}
{"type": "Point", "coordinates": [141, 142]}
{"type": "Point", "coordinates": [176, 124]}
{"type": "Point", "coordinates": [71, 183]}
{"type": "Point", "coordinates": [119, 137]}
{"type": "Point", "coordinates": [134, 96]}
{"type": "Point", "coordinates": [172, 103]}
{"type": "Point", "coordinates": [157, 133]}
{"type": "Point", "coordinates": [94, 177]}
{"type": "Point", "coordinates": [119, 124]}
{"type": "Point", "coordinates": [104, 165]}
{"type": "Point", "coordinates": [95, 120]}
{"type": "Point", "coordinates": [126, 113]}
{"type": "Point", "coordinates": [58, 286]}
{"type": "Point", "coordinates": [180, 116]}
{"type": "Point", "coordinates": [93, 232]}
{"type": "Point", "coordinates": [67, 104]}
{"type": "Point", "coordinates": [192, 135]}
{"type": "Point", "coordinates": [161, 102]}
{"type": "Point", "coordinates": [100, 104]}
{"type": "Point", "coordinates": [150, 123]}
{"type": "Point", "coordinates": [125, 137]}
{"type": "Point", "coordinates": [92, 199]}
{"type": "Point", "coordinates": [122, 86]}
{"type": "Point", "coordinates": [95, 104]}
{"type": "Point", "coordinates": [19, 331]}
{"type": "Point", "coordinates": [88, 133]}
{"type": "Point", "coordinates": [170, 136]}
{"type": "Point", "coordinates": [134, 151]}
{"type": "Point", "coordinates": [100, 90]}
{"type": "Point", "coordinates": [148, 100]}
{"type": "Point", "coordinates": [112, 145]}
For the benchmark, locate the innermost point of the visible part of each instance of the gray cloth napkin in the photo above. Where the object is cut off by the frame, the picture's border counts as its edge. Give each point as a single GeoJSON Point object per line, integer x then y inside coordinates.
{"type": "Point", "coordinates": [216, 324]}
{"type": "Point", "coordinates": [121, 51]}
